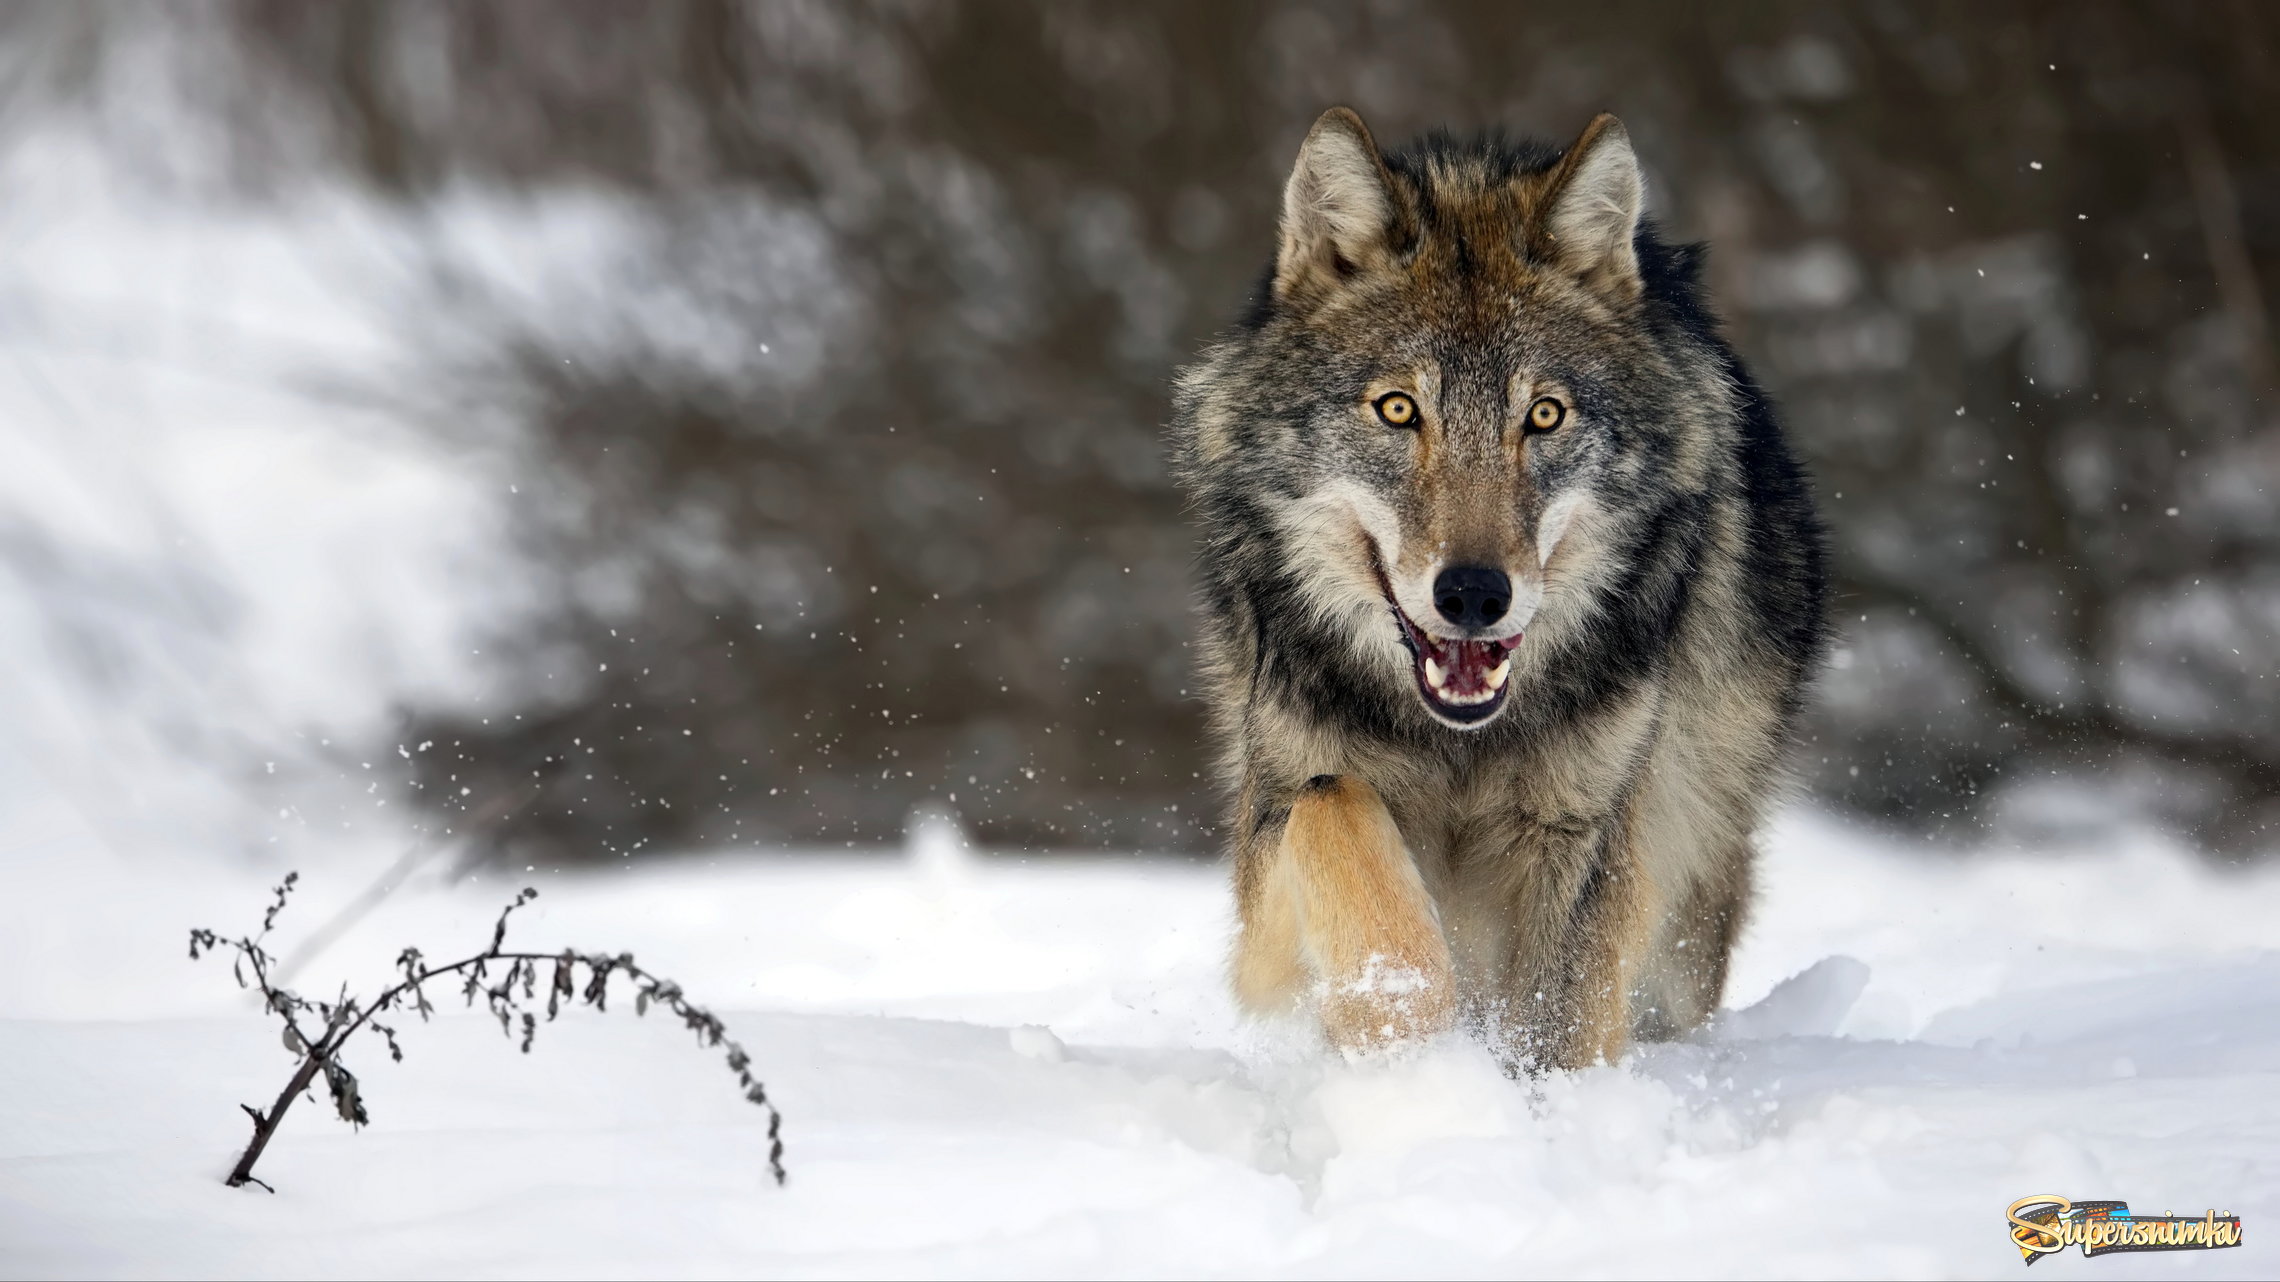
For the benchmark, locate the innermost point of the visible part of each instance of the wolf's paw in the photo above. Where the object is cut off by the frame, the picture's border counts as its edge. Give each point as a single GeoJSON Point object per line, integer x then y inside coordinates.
{"type": "Point", "coordinates": [1388, 1004]}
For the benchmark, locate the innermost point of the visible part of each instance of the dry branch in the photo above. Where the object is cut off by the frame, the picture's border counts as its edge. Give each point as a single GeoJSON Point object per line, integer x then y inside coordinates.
{"type": "Point", "coordinates": [508, 997]}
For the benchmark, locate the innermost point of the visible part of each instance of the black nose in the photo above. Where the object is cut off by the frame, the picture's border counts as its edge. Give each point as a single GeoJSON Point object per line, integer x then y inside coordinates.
{"type": "Point", "coordinates": [1472, 596]}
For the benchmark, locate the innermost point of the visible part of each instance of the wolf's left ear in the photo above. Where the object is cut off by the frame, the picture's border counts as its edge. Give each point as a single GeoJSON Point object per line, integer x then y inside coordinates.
{"type": "Point", "coordinates": [1338, 208]}
{"type": "Point", "coordinates": [1591, 210]}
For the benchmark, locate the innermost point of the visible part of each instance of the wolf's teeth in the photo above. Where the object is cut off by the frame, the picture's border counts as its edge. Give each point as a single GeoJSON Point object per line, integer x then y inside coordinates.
{"type": "Point", "coordinates": [1497, 674]}
{"type": "Point", "coordinates": [1433, 674]}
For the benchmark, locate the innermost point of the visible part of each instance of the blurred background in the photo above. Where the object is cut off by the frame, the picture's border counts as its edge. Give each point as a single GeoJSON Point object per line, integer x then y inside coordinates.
{"type": "Point", "coordinates": [583, 429]}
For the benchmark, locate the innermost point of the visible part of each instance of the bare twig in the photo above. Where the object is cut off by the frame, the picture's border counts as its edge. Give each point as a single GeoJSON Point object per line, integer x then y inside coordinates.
{"type": "Point", "coordinates": [507, 998]}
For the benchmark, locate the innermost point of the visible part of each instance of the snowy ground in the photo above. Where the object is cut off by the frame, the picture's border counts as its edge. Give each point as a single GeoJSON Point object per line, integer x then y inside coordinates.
{"type": "Point", "coordinates": [987, 1067]}
{"type": "Point", "coordinates": [991, 1067]}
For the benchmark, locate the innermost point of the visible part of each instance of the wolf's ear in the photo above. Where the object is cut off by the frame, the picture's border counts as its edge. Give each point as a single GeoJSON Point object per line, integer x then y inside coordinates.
{"type": "Point", "coordinates": [1591, 210]}
{"type": "Point", "coordinates": [1338, 208]}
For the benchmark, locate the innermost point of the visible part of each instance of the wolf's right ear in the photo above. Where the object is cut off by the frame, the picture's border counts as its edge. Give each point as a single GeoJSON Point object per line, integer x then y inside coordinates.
{"type": "Point", "coordinates": [1338, 208]}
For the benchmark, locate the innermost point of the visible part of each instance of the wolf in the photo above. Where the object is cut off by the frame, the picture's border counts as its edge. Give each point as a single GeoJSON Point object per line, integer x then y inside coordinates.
{"type": "Point", "coordinates": [1512, 591]}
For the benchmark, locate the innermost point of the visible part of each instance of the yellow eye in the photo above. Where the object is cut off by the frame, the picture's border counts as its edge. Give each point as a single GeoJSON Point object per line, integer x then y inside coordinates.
{"type": "Point", "coordinates": [1546, 414]}
{"type": "Point", "coordinates": [1397, 409]}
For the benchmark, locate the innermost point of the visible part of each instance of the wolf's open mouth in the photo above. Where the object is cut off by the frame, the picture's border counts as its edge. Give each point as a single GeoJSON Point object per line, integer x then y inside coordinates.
{"type": "Point", "coordinates": [1463, 681]}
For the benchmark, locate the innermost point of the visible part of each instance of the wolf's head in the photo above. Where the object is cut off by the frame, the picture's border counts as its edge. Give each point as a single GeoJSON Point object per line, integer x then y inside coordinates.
{"type": "Point", "coordinates": [1470, 384]}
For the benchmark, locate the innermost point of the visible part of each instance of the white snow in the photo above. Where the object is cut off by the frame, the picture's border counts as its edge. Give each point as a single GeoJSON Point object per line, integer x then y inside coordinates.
{"type": "Point", "coordinates": [991, 1066]}
{"type": "Point", "coordinates": [987, 1066]}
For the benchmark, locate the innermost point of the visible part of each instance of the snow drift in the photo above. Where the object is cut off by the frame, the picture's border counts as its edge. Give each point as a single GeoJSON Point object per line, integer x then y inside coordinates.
{"type": "Point", "coordinates": [997, 1067]}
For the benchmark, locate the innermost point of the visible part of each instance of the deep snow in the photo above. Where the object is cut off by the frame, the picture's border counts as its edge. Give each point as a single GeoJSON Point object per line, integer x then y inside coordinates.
{"type": "Point", "coordinates": [986, 1066]}
{"type": "Point", "coordinates": [991, 1066]}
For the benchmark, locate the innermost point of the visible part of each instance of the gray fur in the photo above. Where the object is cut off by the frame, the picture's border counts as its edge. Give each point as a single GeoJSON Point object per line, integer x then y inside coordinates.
{"type": "Point", "coordinates": [1588, 845]}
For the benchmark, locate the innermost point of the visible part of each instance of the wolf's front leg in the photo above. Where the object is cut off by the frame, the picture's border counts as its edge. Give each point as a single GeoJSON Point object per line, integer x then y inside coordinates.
{"type": "Point", "coordinates": [1584, 928]}
{"type": "Point", "coordinates": [1334, 913]}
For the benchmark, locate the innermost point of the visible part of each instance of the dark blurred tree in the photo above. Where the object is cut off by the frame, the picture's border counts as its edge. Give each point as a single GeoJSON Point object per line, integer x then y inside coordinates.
{"type": "Point", "coordinates": [849, 486]}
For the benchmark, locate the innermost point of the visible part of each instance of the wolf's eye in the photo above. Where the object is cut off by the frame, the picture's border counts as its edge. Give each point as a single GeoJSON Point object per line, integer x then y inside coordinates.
{"type": "Point", "coordinates": [1546, 414]}
{"type": "Point", "coordinates": [1397, 409]}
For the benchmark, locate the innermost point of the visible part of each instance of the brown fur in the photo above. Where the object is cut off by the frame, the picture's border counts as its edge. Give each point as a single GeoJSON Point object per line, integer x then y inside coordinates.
{"type": "Point", "coordinates": [1336, 901]}
{"type": "Point", "coordinates": [1575, 869]}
